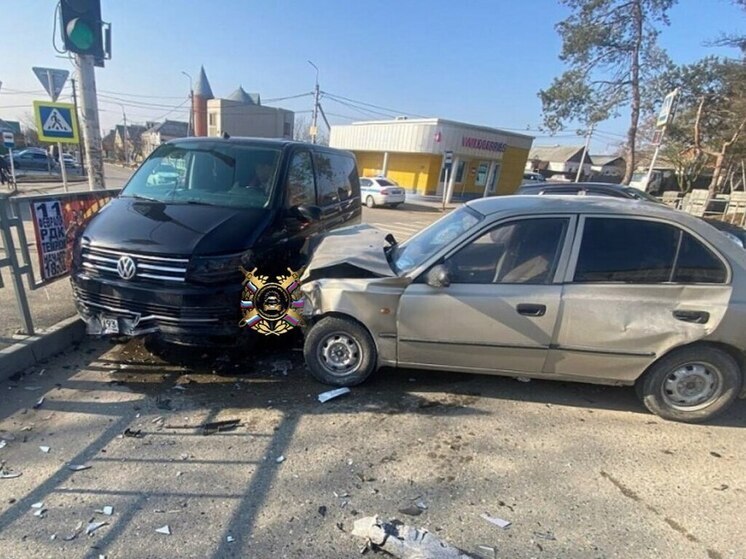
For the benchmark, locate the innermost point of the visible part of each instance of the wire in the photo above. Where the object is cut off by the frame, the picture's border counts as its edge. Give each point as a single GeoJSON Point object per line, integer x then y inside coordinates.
{"type": "Point", "coordinates": [332, 95]}
{"type": "Point", "coordinates": [143, 96]}
{"type": "Point", "coordinates": [365, 112]}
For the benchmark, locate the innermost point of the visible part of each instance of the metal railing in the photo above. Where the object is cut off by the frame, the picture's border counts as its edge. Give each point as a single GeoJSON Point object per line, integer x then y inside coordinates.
{"type": "Point", "coordinates": [13, 210]}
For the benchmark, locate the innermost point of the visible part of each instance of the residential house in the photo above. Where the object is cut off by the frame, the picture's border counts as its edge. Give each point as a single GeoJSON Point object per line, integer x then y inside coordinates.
{"type": "Point", "coordinates": [133, 135]}
{"type": "Point", "coordinates": [556, 162]}
{"type": "Point", "coordinates": [607, 168]}
{"type": "Point", "coordinates": [162, 133]}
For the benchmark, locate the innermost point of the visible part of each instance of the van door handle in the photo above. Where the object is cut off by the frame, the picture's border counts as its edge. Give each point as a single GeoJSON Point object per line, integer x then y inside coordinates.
{"type": "Point", "coordinates": [697, 317]}
{"type": "Point", "coordinates": [530, 309]}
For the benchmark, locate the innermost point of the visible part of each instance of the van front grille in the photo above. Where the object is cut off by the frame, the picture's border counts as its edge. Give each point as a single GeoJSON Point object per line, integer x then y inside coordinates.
{"type": "Point", "coordinates": [103, 262]}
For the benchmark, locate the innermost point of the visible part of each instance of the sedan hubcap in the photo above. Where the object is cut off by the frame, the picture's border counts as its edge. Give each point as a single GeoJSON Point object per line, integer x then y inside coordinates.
{"type": "Point", "coordinates": [691, 386]}
{"type": "Point", "coordinates": [339, 354]}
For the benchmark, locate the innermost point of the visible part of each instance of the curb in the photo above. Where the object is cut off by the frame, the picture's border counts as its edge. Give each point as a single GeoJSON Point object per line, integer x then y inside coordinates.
{"type": "Point", "coordinates": [34, 349]}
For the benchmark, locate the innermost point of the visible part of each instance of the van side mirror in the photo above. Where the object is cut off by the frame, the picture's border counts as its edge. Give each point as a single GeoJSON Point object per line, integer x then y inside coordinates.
{"type": "Point", "coordinates": [306, 212]}
{"type": "Point", "coordinates": [438, 276]}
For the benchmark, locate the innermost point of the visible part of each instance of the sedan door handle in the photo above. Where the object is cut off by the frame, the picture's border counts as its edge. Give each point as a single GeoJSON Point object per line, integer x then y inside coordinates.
{"type": "Point", "coordinates": [529, 309]}
{"type": "Point", "coordinates": [697, 317]}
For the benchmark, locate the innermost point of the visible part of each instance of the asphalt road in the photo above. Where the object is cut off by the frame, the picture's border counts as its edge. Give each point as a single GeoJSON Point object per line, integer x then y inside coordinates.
{"type": "Point", "coordinates": [580, 471]}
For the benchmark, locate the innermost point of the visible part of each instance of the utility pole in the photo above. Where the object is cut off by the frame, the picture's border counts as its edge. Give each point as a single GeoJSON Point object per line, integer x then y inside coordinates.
{"type": "Point", "coordinates": [314, 120]}
{"type": "Point", "coordinates": [585, 152]}
{"type": "Point", "coordinates": [91, 127]}
{"type": "Point", "coordinates": [125, 135]}
{"type": "Point", "coordinates": [190, 126]}
{"type": "Point", "coordinates": [80, 136]}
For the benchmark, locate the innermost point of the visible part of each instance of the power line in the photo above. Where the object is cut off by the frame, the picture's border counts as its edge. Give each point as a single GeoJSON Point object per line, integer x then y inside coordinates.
{"type": "Point", "coordinates": [388, 109]}
{"type": "Point", "coordinates": [365, 112]}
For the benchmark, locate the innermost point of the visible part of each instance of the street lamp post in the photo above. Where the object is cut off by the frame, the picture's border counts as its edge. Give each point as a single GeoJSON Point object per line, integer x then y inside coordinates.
{"type": "Point", "coordinates": [190, 128]}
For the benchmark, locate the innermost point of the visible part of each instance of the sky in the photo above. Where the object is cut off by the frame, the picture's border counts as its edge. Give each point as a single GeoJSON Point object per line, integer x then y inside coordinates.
{"type": "Point", "coordinates": [475, 61]}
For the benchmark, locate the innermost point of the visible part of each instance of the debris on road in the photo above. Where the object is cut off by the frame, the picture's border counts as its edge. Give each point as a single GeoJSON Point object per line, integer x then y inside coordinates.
{"type": "Point", "coordinates": [39, 505]}
{"type": "Point", "coordinates": [3, 443]}
{"type": "Point", "coordinates": [487, 551]}
{"type": "Point", "coordinates": [523, 379]}
{"type": "Point", "coordinates": [133, 434]}
{"type": "Point", "coordinates": [545, 536]}
{"type": "Point", "coordinates": [179, 387]}
{"type": "Point", "coordinates": [38, 403]}
{"type": "Point", "coordinates": [93, 526]}
{"type": "Point", "coordinates": [322, 510]}
{"type": "Point", "coordinates": [78, 467]}
{"type": "Point", "coordinates": [499, 522]}
{"type": "Point", "coordinates": [163, 403]}
{"type": "Point", "coordinates": [331, 394]}
{"type": "Point", "coordinates": [75, 532]}
{"type": "Point", "coordinates": [40, 512]}
{"type": "Point", "coordinates": [280, 459]}
{"type": "Point", "coordinates": [108, 510]}
{"type": "Point", "coordinates": [230, 539]}
{"type": "Point", "coordinates": [45, 449]}
{"type": "Point", "coordinates": [416, 508]}
{"type": "Point", "coordinates": [406, 542]}
{"type": "Point", "coordinates": [165, 530]}
{"type": "Point", "coordinates": [9, 475]}
{"type": "Point", "coordinates": [219, 426]}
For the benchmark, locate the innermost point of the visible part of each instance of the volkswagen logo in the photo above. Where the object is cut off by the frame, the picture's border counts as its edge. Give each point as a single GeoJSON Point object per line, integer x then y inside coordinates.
{"type": "Point", "coordinates": [126, 268]}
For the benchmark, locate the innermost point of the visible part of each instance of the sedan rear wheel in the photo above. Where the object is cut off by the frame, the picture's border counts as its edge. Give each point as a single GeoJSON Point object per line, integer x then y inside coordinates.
{"type": "Point", "coordinates": [692, 384]}
{"type": "Point", "coordinates": [339, 351]}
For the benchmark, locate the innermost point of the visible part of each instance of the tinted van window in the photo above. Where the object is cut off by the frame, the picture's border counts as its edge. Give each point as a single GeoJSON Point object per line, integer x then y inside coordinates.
{"type": "Point", "coordinates": [300, 184]}
{"type": "Point", "coordinates": [336, 177]}
{"type": "Point", "coordinates": [697, 263]}
{"type": "Point", "coordinates": [626, 250]}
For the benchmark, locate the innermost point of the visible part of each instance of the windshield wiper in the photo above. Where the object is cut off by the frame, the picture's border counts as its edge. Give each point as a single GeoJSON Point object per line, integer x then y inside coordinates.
{"type": "Point", "coordinates": [148, 198]}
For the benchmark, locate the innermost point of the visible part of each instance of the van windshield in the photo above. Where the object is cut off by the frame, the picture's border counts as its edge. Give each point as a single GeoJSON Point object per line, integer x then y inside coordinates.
{"type": "Point", "coordinates": [239, 176]}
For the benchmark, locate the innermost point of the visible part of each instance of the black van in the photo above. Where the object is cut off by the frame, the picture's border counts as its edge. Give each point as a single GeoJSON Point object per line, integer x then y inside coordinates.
{"type": "Point", "coordinates": [165, 255]}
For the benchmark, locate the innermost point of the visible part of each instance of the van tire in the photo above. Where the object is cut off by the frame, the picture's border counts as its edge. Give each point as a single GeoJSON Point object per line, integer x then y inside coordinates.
{"type": "Point", "coordinates": [370, 202]}
{"type": "Point", "coordinates": [339, 352]}
{"type": "Point", "coordinates": [683, 377]}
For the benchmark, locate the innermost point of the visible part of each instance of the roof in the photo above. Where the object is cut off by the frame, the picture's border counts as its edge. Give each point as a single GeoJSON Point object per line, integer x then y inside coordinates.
{"type": "Point", "coordinates": [437, 121]}
{"type": "Point", "coordinates": [279, 143]}
{"type": "Point", "coordinates": [605, 159]}
{"type": "Point", "coordinates": [243, 97]}
{"type": "Point", "coordinates": [557, 153]}
{"type": "Point", "coordinates": [203, 88]}
{"type": "Point", "coordinates": [133, 130]}
{"type": "Point", "coordinates": [174, 128]}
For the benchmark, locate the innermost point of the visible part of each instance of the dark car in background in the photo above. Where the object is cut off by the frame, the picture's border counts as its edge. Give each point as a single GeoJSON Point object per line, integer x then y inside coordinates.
{"type": "Point", "coordinates": [33, 159]}
{"type": "Point", "coordinates": [165, 255]}
{"type": "Point", "coordinates": [733, 232]}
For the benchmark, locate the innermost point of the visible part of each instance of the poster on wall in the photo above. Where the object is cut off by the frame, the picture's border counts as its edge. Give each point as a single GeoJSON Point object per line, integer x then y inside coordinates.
{"type": "Point", "coordinates": [57, 223]}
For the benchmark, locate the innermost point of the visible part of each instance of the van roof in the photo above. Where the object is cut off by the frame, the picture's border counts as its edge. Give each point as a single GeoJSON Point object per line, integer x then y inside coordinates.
{"type": "Point", "coordinates": [273, 142]}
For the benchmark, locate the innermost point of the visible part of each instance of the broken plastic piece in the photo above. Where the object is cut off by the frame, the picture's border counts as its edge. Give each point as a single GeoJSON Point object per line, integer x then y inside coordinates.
{"type": "Point", "coordinates": [45, 449]}
{"type": "Point", "coordinates": [78, 467]}
{"type": "Point", "coordinates": [38, 403]}
{"type": "Point", "coordinates": [411, 510]}
{"type": "Point", "coordinates": [166, 530]}
{"type": "Point", "coordinates": [280, 459]}
{"type": "Point", "coordinates": [8, 475]}
{"type": "Point", "coordinates": [404, 541]}
{"type": "Point", "coordinates": [545, 536]}
{"type": "Point", "coordinates": [40, 512]}
{"type": "Point", "coordinates": [133, 434]}
{"type": "Point", "coordinates": [3, 443]}
{"type": "Point", "coordinates": [523, 379]}
{"type": "Point", "coordinates": [108, 510]}
{"type": "Point", "coordinates": [39, 505]}
{"type": "Point", "coordinates": [499, 522]}
{"type": "Point", "coordinates": [74, 535]}
{"type": "Point", "coordinates": [326, 396]}
{"type": "Point", "coordinates": [93, 526]}
{"type": "Point", "coordinates": [487, 551]}
{"type": "Point", "coordinates": [230, 539]}
{"type": "Point", "coordinates": [219, 426]}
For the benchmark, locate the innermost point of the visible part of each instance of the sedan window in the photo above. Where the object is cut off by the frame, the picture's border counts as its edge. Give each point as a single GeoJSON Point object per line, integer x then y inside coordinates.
{"type": "Point", "coordinates": [525, 251]}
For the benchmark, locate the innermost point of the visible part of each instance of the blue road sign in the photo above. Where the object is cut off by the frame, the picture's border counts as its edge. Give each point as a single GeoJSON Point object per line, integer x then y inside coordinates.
{"type": "Point", "coordinates": [56, 122]}
{"type": "Point", "coordinates": [9, 140]}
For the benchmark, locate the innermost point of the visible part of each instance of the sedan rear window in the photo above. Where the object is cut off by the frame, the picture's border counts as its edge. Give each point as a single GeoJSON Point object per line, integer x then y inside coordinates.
{"type": "Point", "coordinates": [384, 182]}
{"type": "Point", "coordinates": [639, 251]}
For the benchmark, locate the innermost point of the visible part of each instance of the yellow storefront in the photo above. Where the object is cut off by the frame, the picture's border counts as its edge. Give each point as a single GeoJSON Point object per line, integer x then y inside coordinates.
{"type": "Point", "coordinates": [413, 152]}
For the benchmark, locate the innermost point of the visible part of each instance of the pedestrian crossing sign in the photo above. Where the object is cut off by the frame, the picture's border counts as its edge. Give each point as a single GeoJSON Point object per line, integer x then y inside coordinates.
{"type": "Point", "coordinates": [56, 122]}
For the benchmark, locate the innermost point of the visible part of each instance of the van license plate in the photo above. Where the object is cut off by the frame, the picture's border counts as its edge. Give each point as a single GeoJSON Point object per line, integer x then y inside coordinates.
{"type": "Point", "coordinates": [110, 325]}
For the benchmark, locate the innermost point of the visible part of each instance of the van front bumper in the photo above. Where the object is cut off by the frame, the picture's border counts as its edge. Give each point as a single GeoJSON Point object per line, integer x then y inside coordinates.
{"type": "Point", "coordinates": [186, 313]}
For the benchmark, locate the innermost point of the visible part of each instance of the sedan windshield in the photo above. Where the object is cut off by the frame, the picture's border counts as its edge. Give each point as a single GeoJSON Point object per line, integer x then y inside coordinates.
{"type": "Point", "coordinates": [217, 174]}
{"type": "Point", "coordinates": [417, 249]}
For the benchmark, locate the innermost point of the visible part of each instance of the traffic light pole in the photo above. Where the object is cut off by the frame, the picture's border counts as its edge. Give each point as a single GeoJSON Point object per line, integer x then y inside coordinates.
{"type": "Point", "coordinates": [91, 127]}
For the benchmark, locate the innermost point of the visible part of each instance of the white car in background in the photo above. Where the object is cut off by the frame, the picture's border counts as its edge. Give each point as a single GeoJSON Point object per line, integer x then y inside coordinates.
{"type": "Point", "coordinates": [380, 191]}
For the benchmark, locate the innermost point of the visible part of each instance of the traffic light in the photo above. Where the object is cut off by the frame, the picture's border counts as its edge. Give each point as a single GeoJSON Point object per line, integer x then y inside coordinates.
{"type": "Point", "coordinates": [82, 27]}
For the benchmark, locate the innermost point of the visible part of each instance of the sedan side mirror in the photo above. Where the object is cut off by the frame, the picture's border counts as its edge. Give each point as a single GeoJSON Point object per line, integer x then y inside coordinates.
{"type": "Point", "coordinates": [306, 213]}
{"type": "Point", "coordinates": [438, 276]}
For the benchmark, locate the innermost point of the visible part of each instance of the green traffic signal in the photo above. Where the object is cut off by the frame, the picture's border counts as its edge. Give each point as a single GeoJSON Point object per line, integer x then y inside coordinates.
{"type": "Point", "coordinates": [80, 34]}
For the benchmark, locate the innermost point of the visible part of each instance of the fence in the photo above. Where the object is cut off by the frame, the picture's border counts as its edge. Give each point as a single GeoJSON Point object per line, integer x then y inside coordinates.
{"type": "Point", "coordinates": [56, 220]}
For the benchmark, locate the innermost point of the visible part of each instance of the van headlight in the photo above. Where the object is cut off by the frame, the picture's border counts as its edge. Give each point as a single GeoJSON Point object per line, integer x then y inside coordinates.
{"type": "Point", "coordinates": [217, 269]}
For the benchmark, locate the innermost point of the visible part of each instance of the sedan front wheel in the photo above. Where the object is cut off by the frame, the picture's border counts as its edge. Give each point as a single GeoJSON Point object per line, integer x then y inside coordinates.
{"type": "Point", "coordinates": [339, 352]}
{"type": "Point", "coordinates": [691, 384]}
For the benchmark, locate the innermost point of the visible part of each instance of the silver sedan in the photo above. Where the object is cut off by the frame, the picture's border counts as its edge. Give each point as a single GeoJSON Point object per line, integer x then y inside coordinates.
{"type": "Point", "coordinates": [591, 290]}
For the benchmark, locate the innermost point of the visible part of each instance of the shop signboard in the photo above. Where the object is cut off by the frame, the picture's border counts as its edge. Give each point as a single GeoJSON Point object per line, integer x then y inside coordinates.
{"type": "Point", "coordinates": [57, 223]}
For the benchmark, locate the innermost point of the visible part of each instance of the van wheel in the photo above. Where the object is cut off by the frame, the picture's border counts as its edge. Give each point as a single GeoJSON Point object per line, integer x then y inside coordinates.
{"type": "Point", "coordinates": [370, 202]}
{"type": "Point", "coordinates": [692, 384]}
{"type": "Point", "coordinates": [339, 352]}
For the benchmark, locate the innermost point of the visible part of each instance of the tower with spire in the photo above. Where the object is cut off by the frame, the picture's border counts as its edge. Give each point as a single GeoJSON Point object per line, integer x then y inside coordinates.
{"type": "Point", "coordinates": [202, 92]}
